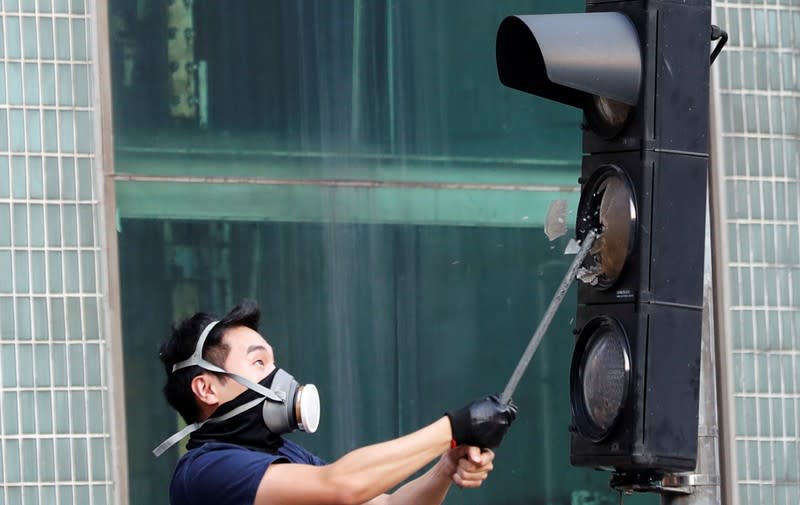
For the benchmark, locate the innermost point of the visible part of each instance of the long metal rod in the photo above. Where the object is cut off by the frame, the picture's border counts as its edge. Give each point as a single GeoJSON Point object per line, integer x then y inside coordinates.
{"type": "Point", "coordinates": [547, 319]}
{"type": "Point", "coordinates": [721, 282]}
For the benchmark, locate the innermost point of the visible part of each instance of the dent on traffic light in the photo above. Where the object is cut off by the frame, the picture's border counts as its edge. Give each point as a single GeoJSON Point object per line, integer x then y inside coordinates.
{"type": "Point", "coordinates": [639, 70]}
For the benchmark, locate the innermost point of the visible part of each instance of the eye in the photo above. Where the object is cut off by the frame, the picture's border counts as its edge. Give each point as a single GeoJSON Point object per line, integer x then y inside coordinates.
{"type": "Point", "coordinates": [258, 362]}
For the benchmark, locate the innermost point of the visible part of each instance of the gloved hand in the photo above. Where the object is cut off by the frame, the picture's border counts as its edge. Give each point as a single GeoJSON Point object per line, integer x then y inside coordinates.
{"type": "Point", "coordinates": [483, 423]}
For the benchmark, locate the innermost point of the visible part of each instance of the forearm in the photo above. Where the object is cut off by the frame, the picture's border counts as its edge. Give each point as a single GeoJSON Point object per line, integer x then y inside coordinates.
{"type": "Point", "coordinates": [364, 474]}
{"type": "Point", "coordinates": [372, 470]}
{"type": "Point", "coordinates": [429, 489]}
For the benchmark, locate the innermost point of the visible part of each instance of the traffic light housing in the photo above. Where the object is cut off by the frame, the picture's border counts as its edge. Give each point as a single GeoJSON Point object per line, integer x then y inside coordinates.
{"type": "Point", "coordinates": [639, 70]}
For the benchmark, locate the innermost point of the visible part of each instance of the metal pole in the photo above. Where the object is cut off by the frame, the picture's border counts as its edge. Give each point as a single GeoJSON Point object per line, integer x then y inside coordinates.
{"type": "Point", "coordinates": [722, 346]}
{"type": "Point", "coordinates": [704, 483]}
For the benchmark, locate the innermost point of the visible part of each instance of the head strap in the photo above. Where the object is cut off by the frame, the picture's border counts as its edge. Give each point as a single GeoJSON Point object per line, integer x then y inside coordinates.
{"type": "Point", "coordinates": [197, 356]}
{"type": "Point", "coordinates": [196, 359]}
{"type": "Point", "coordinates": [177, 437]}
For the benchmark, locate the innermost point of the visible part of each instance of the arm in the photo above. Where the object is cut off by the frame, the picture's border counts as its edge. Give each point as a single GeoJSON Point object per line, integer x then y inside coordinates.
{"type": "Point", "coordinates": [467, 466]}
{"type": "Point", "coordinates": [358, 476]}
{"type": "Point", "coordinates": [366, 473]}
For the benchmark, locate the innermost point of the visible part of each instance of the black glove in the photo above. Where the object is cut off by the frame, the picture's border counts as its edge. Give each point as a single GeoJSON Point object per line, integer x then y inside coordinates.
{"type": "Point", "coordinates": [483, 423]}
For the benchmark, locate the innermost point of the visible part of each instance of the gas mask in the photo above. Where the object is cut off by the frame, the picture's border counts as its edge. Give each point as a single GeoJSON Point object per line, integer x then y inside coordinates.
{"type": "Point", "coordinates": [299, 409]}
{"type": "Point", "coordinates": [287, 405]}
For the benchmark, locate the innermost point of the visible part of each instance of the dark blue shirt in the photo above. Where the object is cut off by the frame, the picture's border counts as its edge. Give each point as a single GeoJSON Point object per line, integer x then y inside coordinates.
{"type": "Point", "coordinates": [227, 474]}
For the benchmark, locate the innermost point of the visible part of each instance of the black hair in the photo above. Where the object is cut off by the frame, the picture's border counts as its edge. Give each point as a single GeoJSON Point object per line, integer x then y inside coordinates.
{"type": "Point", "coordinates": [181, 344]}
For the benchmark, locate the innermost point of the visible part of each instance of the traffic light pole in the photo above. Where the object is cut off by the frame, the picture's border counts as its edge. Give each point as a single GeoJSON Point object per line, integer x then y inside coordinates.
{"type": "Point", "coordinates": [704, 484]}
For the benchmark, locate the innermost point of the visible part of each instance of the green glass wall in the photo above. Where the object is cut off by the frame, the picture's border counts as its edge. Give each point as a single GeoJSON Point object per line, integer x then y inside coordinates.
{"type": "Point", "coordinates": [357, 168]}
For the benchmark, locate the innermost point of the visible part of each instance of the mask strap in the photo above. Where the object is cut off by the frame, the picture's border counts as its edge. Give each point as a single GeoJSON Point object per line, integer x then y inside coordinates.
{"type": "Point", "coordinates": [197, 355]}
{"type": "Point", "coordinates": [196, 359]}
{"type": "Point", "coordinates": [174, 439]}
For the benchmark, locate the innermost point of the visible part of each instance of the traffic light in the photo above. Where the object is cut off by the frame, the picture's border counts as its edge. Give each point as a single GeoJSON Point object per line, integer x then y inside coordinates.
{"type": "Point", "coordinates": [639, 70]}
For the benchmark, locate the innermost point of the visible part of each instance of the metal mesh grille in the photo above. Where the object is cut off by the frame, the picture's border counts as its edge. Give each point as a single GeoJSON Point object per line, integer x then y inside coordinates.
{"type": "Point", "coordinates": [760, 99]}
{"type": "Point", "coordinates": [54, 430]}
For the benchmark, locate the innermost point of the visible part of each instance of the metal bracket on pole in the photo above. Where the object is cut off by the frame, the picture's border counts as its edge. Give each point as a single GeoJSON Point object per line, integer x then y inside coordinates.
{"type": "Point", "coordinates": [685, 483]}
{"type": "Point", "coordinates": [679, 483]}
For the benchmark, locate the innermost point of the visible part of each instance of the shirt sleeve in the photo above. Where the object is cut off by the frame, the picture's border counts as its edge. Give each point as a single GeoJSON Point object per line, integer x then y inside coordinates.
{"type": "Point", "coordinates": [221, 477]}
{"type": "Point", "coordinates": [296, 453]}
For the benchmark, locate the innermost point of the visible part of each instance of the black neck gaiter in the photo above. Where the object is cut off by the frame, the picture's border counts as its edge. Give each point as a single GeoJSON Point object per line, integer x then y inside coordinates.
{"type": "Point", "coordinates": [246, 428]}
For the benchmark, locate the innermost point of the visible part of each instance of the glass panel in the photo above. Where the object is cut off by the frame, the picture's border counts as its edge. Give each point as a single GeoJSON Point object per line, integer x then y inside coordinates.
{"type": "Point", "coordinates": [5, 229]}
{"type": "Point", "coordinates": [344, 89]}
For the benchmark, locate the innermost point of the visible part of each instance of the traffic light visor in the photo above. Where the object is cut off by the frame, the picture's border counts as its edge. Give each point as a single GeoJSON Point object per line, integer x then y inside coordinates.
{"type": "Point", "coordinates": [571, 58]}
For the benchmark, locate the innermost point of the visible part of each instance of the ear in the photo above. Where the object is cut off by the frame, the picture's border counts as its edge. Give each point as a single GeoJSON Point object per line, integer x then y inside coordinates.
{"type": "Point", "coordinates": [204, 387]}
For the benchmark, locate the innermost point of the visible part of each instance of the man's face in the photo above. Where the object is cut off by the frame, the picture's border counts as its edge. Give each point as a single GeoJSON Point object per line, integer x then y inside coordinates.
{"type": "Point", "coordinates": [250, 356]}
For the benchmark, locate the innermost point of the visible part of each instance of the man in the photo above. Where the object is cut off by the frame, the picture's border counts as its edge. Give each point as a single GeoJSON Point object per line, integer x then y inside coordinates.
{"type": "Point", "coordinates": [222, 378]}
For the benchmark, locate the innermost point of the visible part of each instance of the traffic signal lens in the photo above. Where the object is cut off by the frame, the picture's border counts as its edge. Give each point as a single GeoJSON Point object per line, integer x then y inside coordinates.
{"type": "Point", "coordinates": [607, 117]}
{"type": "Point", "coordinates": [603, 380]}
{"type": "Point", "coordinates": [607, 206]}
{"type": "Point", "coordinates": [600, 377]}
